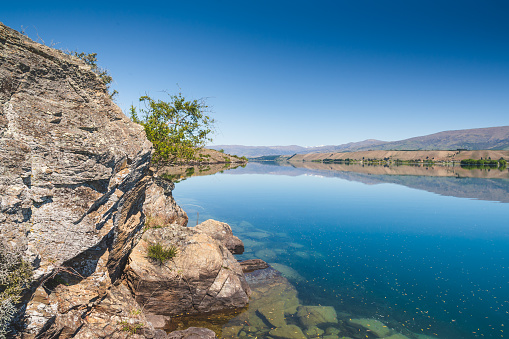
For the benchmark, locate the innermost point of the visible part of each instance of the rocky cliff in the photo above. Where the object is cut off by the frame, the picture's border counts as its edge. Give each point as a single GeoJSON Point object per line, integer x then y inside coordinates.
{"type": "Point", "coordinates": [75, 189]}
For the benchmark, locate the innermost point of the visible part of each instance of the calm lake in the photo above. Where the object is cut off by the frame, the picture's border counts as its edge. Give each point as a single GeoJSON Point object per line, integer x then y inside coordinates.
{"type": "Point", "coordinates": [425, 255]}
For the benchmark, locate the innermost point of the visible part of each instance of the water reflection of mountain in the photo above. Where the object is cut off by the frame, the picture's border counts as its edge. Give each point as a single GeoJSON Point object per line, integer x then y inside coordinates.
{"type": "Point", "coordinates": [482, 184]}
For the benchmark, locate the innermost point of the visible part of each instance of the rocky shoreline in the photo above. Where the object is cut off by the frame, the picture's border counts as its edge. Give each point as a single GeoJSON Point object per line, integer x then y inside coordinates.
{"type": "Point", "coordinates": [80, 200]}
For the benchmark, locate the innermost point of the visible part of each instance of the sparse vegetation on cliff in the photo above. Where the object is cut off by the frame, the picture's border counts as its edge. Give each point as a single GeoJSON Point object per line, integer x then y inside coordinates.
{"type": "Point", "coordinates": [15, 275]}
{"type": "Point", "coordinates": [91, 60]}
{"type": "Point", "coordinates": [161, 254]}
{"type": "Point", "coordinates": [176, 128]}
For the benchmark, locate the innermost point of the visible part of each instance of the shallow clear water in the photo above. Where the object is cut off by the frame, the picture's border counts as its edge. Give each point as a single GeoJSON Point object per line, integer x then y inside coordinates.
{"type": "Point", "coordinates": [402, 249]}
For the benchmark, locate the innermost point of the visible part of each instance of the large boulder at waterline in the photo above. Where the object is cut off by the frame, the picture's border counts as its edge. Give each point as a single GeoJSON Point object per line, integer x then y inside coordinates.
{"type": "Point", "coordinates": [203, 277]}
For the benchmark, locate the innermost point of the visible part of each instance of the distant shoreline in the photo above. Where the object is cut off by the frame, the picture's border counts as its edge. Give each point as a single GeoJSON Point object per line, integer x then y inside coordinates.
{"type": "Point", "coordinates": [395, 157]}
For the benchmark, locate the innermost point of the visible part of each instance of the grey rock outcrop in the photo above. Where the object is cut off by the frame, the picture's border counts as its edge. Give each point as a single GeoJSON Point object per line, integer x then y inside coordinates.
{"type": "Point", "coordinates": [73, 170]}
{"type": "Point", "coordinates": [203, 277]}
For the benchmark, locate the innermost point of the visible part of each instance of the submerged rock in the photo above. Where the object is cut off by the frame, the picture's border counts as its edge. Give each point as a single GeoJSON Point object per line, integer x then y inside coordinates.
{"type": "Point", "coordinates": [287, 272]}
{"type": "Point", "coordinates": [376, 327]}
{"type": "Point", "coordinates": [274, 313]}
{"type": "Point", "coordinates": [314, 331]}
{"type": "Point", "coordinates": [193, 333]}
{"type": "Point", "coordinates": [288, 332]}
{"type": "Point", "coordinates": [253, 265]}
{"type": "Point", "coordinates": [316, 315]}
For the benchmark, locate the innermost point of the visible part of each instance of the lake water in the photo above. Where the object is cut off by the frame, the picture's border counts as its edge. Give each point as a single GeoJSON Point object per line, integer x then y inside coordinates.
{"type": "Point", "coordinates": [425, 255]}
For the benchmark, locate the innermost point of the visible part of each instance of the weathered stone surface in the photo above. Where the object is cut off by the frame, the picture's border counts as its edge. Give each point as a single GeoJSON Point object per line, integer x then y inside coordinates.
{"type": "Point", "coordinates": [203, 277]}
{"type": "Point", "coordinates": [253, 265]}
{"type": "Point", "coordinates": [316, 315]}
{"type": "Point", "coordinates": [221, 232]}
{"type": "Point", "coordinates": [193, 333]}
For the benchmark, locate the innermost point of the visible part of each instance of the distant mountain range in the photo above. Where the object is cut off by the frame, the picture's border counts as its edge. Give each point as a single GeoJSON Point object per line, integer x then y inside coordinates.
{"type": "Point", "coordinates": [492, 138]}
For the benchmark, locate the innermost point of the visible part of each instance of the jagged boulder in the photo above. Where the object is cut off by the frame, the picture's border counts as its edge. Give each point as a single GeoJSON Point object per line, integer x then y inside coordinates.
{"type": "Point", "coordinates": [221, 232]}
{"type": "Point", "coordinates": [203, 277]}
{"type": "Point", "coordinates": [73, 175]}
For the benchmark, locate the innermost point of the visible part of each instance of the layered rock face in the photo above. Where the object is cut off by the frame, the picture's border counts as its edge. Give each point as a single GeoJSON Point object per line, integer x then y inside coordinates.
{"type": "Point", "coordinates": [73, 168]}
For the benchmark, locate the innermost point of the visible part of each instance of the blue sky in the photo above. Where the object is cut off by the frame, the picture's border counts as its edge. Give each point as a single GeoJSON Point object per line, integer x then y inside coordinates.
{"type": "Point", "coordinates": [297, 72]}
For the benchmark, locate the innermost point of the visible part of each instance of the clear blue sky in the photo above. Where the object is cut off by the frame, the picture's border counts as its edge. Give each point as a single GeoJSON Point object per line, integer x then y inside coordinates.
{"type": "Point", "coordinates": [297, 72]}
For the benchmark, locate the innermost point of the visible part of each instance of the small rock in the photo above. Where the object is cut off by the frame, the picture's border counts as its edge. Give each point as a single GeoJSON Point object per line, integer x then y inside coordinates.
{"type": "Point", "coordinates": [253, 265]}
{"type": "Point", "coordinates": [314, 331]}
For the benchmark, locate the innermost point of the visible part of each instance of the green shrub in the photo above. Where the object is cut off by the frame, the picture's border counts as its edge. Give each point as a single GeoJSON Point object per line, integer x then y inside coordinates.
{"type": "Point", "coordinates": [161, 254]}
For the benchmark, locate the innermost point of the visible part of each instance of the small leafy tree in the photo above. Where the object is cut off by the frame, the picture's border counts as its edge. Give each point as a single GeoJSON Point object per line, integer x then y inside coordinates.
{"type": "Point", "coordinates": [176, 128]}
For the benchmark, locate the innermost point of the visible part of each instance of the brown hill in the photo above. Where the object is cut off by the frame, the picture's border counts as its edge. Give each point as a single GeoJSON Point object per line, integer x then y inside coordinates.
{"type": "Point", "coordinates": [472, 139]}
{"type": "Point", "coordinates": [437, 156]}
